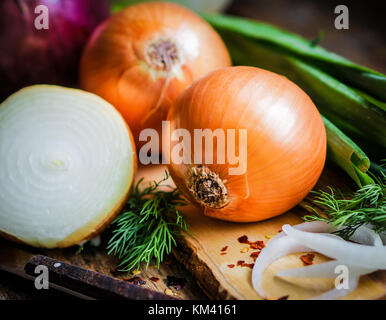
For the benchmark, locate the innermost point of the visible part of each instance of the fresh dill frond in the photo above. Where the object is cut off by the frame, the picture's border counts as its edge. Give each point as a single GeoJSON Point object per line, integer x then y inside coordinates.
{"type": "Point", "coordinates": [367, 206]}
{"type": "Point", "coordinates": [147, 229]}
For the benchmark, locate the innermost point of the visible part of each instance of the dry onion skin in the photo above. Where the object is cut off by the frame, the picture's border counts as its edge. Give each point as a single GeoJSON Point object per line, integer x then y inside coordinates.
{"type": "Point", "coordinates": [141, 58]}
{"type": "Point", "coordinates": [67, 161]}
{"type": "Point", "coordinates": [286, 143]}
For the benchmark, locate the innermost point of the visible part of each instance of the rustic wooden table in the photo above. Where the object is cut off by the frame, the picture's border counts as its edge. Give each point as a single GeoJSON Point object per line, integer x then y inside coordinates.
{"type": "Point", "coordinates": [363, 43]}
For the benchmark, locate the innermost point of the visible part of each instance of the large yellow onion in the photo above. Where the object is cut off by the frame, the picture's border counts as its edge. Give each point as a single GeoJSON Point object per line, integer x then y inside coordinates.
{"type": "Point", "coordinates": [67, 161]}
{"type": "Point", "coordinates": [285, 148]}
{"type": "Point", "coordinates": [141, 58]}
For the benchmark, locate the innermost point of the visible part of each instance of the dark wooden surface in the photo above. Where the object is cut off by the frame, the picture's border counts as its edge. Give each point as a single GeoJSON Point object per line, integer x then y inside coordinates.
{"type": "Point", "coordinates": [90, 283]}
{"type": "Point", "coordinates": [96, 259]}
{"type": "Point", "coordinates": [363, 43]}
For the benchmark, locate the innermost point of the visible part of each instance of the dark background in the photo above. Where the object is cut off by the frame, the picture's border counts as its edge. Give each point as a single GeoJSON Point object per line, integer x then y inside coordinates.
{"type": "Point", "coordinates": [364, 42]}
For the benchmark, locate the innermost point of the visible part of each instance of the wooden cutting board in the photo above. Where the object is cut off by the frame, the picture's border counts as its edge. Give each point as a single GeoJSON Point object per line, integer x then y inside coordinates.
{"type": "Point", "coordinates": [201, 252]}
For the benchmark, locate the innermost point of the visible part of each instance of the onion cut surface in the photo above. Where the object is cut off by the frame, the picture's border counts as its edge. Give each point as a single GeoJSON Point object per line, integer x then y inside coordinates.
{"type": "Point", "coordinates": [67, 161]}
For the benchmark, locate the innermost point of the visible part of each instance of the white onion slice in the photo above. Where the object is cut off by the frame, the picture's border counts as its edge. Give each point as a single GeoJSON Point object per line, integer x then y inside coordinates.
{"type": "Point", "coordinates": [275, 250]}
{"type": "Point", "coordinates": [339, 293]}
{"type": "Point", "coordinates": [327, 269]}
{"type": "Point", "coordinates": [310, 226]}
{"type": "Point", "coordinates": [323, 270]}
{"type": "Point", "coordinates": [351, 253]}
{"type": "Point", "coordinates": [66, 165]}
{"type": "Point", "coordinates": [331, 235]}
{"type": "Point", "coordinates": [294, 239]}
{"type": "Point", "coordinates": [383, 237]}
{"type": "Point", "coordinates": [365, 235]}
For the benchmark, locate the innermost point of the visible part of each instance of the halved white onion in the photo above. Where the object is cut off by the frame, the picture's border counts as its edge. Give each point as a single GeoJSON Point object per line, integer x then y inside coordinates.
{"type": "Point", "coordinates": [66, 165]}
{"type": "Point", "coordinates": [372, 257]}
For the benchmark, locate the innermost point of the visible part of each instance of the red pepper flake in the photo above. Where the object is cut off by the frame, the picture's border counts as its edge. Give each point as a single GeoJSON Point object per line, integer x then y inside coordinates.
{"type": "Point", "coordinates": [257, 245]}
{"type": "Point", "coordinates": [254, 244]}
{"type": "Point", "coordinates": [283, 297]}
{"type": "Point", "coordinates": [223, 253]}
{"type": "Point", "coordinates": [136, 280]}
{"type": "Point", "coordinates": [243, 239]}
{"type": "Point", "coordinates": [231, 266]}
{"type": "Point", "coordinates": [255, 254]}
{"type": "Point", "coordinates": [154, 279]}
{"type": "Point", "coordinates": [240, 262]}
{"type": "Point", "coordinates": [224, 249]}
{"type": "Point", "coordinates": [249, 265]}
{"type": "Point", "coordinates": [307, 259]}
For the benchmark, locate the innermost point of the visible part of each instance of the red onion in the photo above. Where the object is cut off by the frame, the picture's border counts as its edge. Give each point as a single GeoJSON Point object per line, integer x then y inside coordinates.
{"type": "Point", "coordinates": [31, 56]}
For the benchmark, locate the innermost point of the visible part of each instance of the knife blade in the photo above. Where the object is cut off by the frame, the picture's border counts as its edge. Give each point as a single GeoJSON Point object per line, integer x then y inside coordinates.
{"type": "Point", "coordinates": [71, 279]}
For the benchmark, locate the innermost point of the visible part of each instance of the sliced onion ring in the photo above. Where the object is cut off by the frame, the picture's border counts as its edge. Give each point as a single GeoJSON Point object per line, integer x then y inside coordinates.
{"type": "Point", "coordinates": [383, 237]}
{"type": "Point", "coordinates": [339, 293]}
{"type": "Point", "coordinates": [322, 270]}
{"type": "Point", "coordinates": [66, 165]}
{"type": "Point", "coordinates": [310, 226]}
{"type": "Point", "coordinates": [352, 253]}
{"type": "Point", "coordinates": [365, 235]}
{"type": "Point", "coordinates": [282, 244]}
{"type": "Point", "coordinates": [272, 252]}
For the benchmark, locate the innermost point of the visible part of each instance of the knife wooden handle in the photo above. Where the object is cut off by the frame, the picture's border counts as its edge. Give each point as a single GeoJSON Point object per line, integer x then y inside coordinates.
{"type": "Point", "coordinates": [91, 283]}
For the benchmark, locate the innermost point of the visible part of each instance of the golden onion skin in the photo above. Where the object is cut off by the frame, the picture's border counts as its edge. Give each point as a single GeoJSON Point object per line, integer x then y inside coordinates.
{"type": "Point", "coordinates": [141, 58]}
{"type": "Point", "coordinates": [286, 148]}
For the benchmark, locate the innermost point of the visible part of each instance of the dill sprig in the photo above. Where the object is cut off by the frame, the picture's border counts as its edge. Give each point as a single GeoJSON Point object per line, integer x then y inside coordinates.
{"type": "Point", "coordinates": [367, 206]}
{"type": "Point", "coordinates": [147, 228]}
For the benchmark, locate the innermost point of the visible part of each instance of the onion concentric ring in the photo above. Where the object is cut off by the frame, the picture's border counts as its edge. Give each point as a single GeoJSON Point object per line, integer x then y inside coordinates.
{"type": "Point", "coordinates": [67, 161]}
